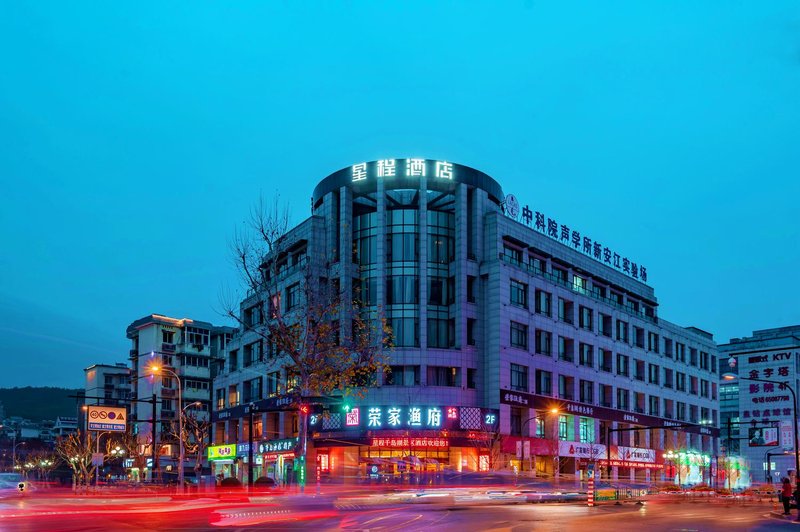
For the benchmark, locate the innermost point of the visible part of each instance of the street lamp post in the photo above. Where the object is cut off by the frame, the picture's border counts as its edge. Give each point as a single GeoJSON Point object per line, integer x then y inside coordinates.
{"type": "Point", "coordinates": [784, 386]}
{"type": "Point", "coordinates": [522, 431]}
{"type": "Point", "coordinates": [155, 370]}
{"type": "Point", "coordinates": [14, 450]}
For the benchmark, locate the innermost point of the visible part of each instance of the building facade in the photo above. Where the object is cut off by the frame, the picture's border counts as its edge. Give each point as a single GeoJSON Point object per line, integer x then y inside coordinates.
{"type": "Point", "coordinates": [108, 384]}
{"type": "Point", "coordinates": [765, 410]}
{"type": "Point", "coordinates": [515, 347]}
{"type": "Point", "coordinates": [186, 347]}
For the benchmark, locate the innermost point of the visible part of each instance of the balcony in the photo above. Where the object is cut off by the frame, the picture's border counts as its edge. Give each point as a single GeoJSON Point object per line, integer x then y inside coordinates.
{"type": "Point", "coordinates": [167, 348]}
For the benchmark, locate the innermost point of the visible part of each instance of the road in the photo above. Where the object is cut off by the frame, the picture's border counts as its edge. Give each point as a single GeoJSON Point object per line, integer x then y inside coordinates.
{"type": "Point", "coordinates": [295, 513]}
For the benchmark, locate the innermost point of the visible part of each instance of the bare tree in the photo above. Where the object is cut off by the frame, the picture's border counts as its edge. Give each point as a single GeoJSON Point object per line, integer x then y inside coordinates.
{"type": "Point", "coordinates": [134, 449]}
{"type": "Point", "coordinates": [76, 450]}
{"type": "Point", "coordinates": [326, 341]}
{"type": "Point", "coordinates": [195, 439]}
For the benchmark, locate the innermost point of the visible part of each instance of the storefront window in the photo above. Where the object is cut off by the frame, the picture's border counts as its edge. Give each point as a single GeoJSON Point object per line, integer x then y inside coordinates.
{"type": "Point", "coordinates": [539, 428]}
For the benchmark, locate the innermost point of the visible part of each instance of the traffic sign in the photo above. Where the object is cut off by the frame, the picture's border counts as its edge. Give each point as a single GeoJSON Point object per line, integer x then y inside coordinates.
{"type": "Point", "coordinates": [97, 459]}
{"type": "Point", "coordinates": [108, 418]}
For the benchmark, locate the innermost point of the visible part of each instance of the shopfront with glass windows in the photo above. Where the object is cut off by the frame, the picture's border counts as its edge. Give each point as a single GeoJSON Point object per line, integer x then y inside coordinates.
{"type": "Point", "coordinates": [402, 444]}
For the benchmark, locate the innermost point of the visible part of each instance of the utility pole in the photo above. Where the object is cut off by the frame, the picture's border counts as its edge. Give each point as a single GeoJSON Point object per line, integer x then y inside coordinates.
{"type": "Point", "coordinates": [153, 450]}
{"type": "Point", "coordinates": [250, 448]}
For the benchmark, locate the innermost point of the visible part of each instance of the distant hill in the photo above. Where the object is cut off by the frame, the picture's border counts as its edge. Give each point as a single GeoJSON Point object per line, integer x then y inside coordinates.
{"type": "Point", "coordinates": [38, 404]}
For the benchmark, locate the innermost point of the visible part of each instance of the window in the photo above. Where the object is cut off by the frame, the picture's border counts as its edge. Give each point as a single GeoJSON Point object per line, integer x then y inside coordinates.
{"type": "Point", "coordinates": [367, 250]}
{"type": "Point", "coordinates": [251, 354]}
{"type": "Point", "coordinates": [471, 288]}
{"type": "Point", "coordinates": [639, 370]}
{"type": "Point", "coordinates": [402, 376]}
{"type": "Point", "coordinates": [638, 336]}
{"type": "Point", "coordinates": [638, 402]}
{"type": "Point", "coordinates": [566, 349]}
{"type": "Point", "coordinates": [471, 331]}
{"type": "Point", "coordinates": [512, 254]}
{"type": "Point", "coordinates": [585, 318]}
{"type": "Point", "coordinates": [703, 388]}
{"type": "Point", "coordinates": [652, 342]}
{"type": "Point", "coordinates": [606, 359]}
{"type": "Point", "coordinates": [680, 381]}
{"type": "Point", "coordinates": [516, 421]}
{"type": "Point", "coordinates": [565, 310]}
{"type": "Point", "coordinates": [681, 407]}
{"type": "Point", "coordinates": [404, 290]}
{"type": "Point", "coordinates": [604, 394]}
{"type": "Point", "coordinates": [714, 391]}
{"type": "Point", "coordinates": [668, 348]}
{"type": "Point", "coordinates": [604, 324]}
{"type": "Point", "coordinates": [519, 377]}
{"type": "Point", "coordinates": [560, 275]}
{"type": "Point", "coordinates": [563, 428]}
{"type": "Point", "coordinates": [220, 398]}
{"type": "Point", "coordinates": [586, 391]}
{"type": "Point", "coordinates": [623, 365]}
{"type": "Point", "coordinates": [623, 396]}
{"type": "Point", "coordinates": [654, 405]}
{"type": "Point", "coordinates": [405, 331]}
{"type": "Point", "coordinates": [195, 385]}
{"type": "Point", "coordinates": [537, 265]}
{"type": "Point", "coordinates": [252, 315]}
{"type": "Point", "coordinates": [539, 428]}
{"type": "Point", "coordinates": [197, 336]}
{"type": "Point", "coordinates": [519, 335]}
{"type": "Point", "coordinates": [668, 378]}
{"type": "Point", "coordinates": [586, 429]}
{"type": "Point", "coordinates": [292, 296]}
{"type": "Point", "coordinates": [519, 294]}
{"type": "Point", "coordinates": [544, 382]}
{"type": "Point", "coordinates": [444, 376]}
{"type": "Point", "coordinates": [196, 361]}
{"type": "Point", "coordinates": [713, 364]}
{"type": "Point", "coordinates": [233, 360]}
{"type": "Point", "coordinates": [653, 373]}
{"type": "Point", "coordinates": [439, 333]}
{"type": "Point", "coordinates": [693, 388]}
{"type": "Point", "coordinates": [704, 360]}
{"type": "Point", "coordinates": [566, 387]}
{"type": "Point", "coordinates": [402, 247]}
{"type": "Point", "coordinates": [273, 382]}
{"type": "Point", "coordinates": [586, 355]}
{"type": "Point", "coordinates": [544, 342]}
{"type": "Point", "coordinates": [233, 395]}
{"type": "Point", "coordinates": [472, 375]}
{"type": "Point", "coordinates": [693, 356]}
{"type": "Point", "coordinates": [441, 290]}
{"type": "Point", "coordinates": [622, 331]}
{"type": "Point", "coordinates": [252, 390]}
{"type": "Point", "coordinates": [579, 284]}
{"type": "Point", "coordinates": [168, 337]}
{"type": "Point", "coordinates": [543, 303]}
{"type": "Point", "coordinates": [680, 352]}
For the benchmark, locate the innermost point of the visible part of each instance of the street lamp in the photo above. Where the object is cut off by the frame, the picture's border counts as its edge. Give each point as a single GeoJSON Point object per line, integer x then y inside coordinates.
{"type": "Point", "coordinates": [783, 386]}
{"type": "Point", "coordinates": [14, 450]}
{"type": "Point", "coordinates": [553, 410]}
{"type": "Point", "coordinates": [154, 370]}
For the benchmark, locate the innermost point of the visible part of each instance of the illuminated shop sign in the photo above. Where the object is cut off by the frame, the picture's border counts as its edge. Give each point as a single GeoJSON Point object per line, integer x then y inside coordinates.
{"type": "Point", "coordinates": [581, 450]}
{"type": "Point", "coordinates": [545, 402]}
{"type": "Point", "coordinates": [635, 454]}
{"type": "Point", "coordinates": [222, 452]}
{"type": "Point", "coordinates": [388, 168]}
{"type": "Point", "coordinates": [767, 402]}
{"type": "Point", "coordinates": [277, 446]}
{"type": "Point", "coordinates": [630, 463]}
{"type": "Point", "coordinates": [409, 443]}
{"type": "Point", "coordinates": [570, 237]}
{"type": "Point", "coordinates": [368, 417]}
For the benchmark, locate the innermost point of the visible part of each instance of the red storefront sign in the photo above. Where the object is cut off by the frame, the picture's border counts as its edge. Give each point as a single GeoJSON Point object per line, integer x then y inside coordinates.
{"type": "Point", "coordinates": [409, 442]}
{"type": "Point", "coordinates": [539, 446]}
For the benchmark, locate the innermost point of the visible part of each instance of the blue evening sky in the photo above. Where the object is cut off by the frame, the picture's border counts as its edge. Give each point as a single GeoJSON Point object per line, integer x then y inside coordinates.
{"type": "Point", "coordinates": [134, 137]}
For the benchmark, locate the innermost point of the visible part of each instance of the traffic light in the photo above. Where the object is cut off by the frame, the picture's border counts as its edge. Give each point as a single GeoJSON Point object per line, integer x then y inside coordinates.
{"type": "Point", "coordinates": [346, 407]}
{"type": "Point", "coordinates": [305, 409]}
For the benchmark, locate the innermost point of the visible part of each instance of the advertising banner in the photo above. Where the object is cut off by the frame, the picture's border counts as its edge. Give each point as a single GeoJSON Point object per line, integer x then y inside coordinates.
{"type": "Point", "coordinates": [222, 452]}
{"type": "Point", "coordinates": [763, 436]}
{"type": "Point", "coordinates": [581, 450]}
{"type": "Point", "coordinates": [634, 454]}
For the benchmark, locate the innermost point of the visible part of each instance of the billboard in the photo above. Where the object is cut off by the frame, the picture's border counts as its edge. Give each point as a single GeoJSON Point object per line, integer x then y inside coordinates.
{"type": "Point", "coordinates": [107, 418]}
{"type": "Point", "coordinates": [763, 436]}
{"type": "Point", "coordinates": [222, 452]}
